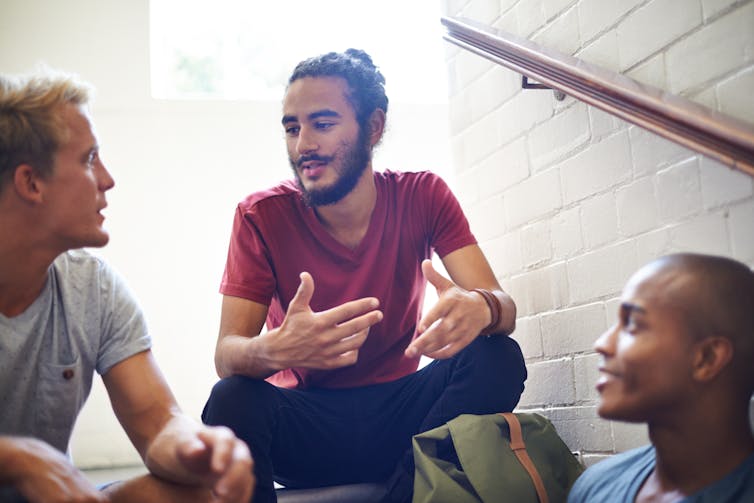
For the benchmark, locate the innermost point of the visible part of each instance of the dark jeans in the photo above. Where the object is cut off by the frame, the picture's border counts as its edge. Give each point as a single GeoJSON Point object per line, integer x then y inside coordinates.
{"type": "Point", "coordinates": [323, 437]}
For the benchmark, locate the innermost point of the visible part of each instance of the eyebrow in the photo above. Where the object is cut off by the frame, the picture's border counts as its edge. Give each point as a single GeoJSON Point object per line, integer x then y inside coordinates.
{"type": "Point", "coordinates": [632, 308]}
{"type": "Point", "coordinates": [312, 116]}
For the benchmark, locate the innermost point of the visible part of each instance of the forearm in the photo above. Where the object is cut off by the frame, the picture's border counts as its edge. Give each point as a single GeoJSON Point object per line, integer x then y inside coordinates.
{"type": "Point", "coordinates": [248, 356]}
{"type": "Point", "coordinates": [11, 458]}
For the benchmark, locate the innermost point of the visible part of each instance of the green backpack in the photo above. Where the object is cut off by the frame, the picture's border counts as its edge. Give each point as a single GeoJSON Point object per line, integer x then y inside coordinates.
{"type": "Point", "coordinates": [472, 459]}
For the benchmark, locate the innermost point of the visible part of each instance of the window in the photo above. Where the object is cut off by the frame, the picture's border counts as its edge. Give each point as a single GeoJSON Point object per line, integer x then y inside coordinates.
{"type": "Point", "coordinates": [246, 49]}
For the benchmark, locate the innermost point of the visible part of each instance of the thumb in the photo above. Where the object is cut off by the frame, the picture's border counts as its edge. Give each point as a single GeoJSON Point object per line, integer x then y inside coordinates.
{"type": "Point", "coordinates": [194, 455]}
{"type": "Point", "coordinates": [440, 282]}
{"type": "Point", "coordinates": [303, 296]}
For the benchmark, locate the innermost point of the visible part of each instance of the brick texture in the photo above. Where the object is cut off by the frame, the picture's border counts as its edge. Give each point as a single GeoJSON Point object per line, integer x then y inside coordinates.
{"type": "Point", "coordinates": [568, 201]}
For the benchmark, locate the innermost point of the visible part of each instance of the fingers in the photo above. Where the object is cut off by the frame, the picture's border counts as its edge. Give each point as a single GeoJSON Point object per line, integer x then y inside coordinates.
{"type": "Point", "coordinates": [349, 323]}
{"type": "Point", "coordinates": [237, 480]}
{"type": "Point", "coordinates": [229, 464]}
{"type": "Point", "coordinates": [303, 296]}
{"type": "Point", "coordinates": [353, 310]}
{"type": "Point", "coordinates": [440, 282]}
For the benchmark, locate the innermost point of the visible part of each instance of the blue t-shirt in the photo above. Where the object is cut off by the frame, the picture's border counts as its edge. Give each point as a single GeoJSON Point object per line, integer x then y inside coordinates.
{"type": "Point", "coordinates": [618, 480]}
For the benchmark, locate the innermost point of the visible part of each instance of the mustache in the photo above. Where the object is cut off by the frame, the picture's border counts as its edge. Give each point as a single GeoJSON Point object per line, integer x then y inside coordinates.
{"type": "Point", "coordinates": [313, 157]}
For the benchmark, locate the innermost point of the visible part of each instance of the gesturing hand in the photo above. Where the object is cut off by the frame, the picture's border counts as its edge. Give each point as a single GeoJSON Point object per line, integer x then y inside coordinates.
{"type": "Point", "coordinates": [452, 323]}
{"type": "Point", "coordinates": [326, 339]}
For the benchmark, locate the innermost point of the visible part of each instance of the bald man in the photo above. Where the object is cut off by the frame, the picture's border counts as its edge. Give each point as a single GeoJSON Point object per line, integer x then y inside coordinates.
{"type": "Point", "coordinates": [681, 359]}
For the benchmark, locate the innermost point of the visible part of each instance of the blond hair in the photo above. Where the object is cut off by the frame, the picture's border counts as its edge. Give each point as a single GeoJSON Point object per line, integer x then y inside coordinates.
{"type": "Point", "coordinates": [31, 126]}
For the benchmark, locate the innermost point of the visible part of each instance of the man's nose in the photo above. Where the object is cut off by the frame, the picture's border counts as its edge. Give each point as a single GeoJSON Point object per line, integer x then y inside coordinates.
{"type": "Point", "coordinates": [605, 343]}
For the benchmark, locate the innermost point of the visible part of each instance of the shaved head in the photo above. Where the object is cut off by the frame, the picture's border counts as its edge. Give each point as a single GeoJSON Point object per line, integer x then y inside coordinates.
{"type": "Point", "coordinates": [716, 297]}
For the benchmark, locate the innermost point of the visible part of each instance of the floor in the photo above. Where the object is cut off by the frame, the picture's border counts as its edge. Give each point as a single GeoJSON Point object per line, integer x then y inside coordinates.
{"type": "Point", "coordinates": [104, 476]}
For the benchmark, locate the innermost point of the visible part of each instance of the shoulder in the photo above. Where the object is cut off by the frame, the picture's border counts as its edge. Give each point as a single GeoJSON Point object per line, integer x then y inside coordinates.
{"type": "Point", "coordinates": [412, 182]}
{"type": "Point", "coordinates": [736, 486]}
{"type": "Point", "coordinates": [284, 193]}
{"type": "Point", "coordinates": [408, 177]}
{"type": "Point", "coordinates": [618, 476]}
{"type": "Point", "coordinates": [77, 263]}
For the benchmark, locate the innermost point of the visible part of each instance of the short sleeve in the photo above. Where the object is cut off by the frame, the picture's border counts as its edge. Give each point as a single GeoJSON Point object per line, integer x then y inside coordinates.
{"type": "Point", "coordinates": [123, 331]}
{"type": "Point", "coordinates": [248, 269]}
{"type": "Point", "coordinates": [449, 228]}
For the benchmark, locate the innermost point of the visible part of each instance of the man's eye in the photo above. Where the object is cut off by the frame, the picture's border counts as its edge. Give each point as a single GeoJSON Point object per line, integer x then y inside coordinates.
{"type": "Point", "coordinates": [324, 125]}
{"type": "Point", "coordinates": [292, 130]}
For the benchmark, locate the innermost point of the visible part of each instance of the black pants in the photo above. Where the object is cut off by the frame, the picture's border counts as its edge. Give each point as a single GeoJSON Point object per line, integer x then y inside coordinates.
{"type": "Point", "coordinates": [322, 437]}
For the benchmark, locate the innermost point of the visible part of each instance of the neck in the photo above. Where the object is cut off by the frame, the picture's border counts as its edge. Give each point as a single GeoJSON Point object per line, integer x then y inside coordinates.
{"type": "Point", "coordinates": [24, 262]}
{"type": "Point", "coordinates": [702, 447]}
{"type": "Point", "coordinates": [348, 219]}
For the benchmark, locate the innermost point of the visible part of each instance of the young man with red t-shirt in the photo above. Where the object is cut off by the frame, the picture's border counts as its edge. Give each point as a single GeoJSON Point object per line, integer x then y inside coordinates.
{"type": "Point", "coordinates": [336, 263]}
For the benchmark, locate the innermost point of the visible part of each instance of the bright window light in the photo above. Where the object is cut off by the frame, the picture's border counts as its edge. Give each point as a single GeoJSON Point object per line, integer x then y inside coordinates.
{"type": "Point", "coordinates": [245, 49]}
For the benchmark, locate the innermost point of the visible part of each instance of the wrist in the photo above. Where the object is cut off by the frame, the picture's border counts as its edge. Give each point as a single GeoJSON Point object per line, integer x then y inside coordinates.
{"type": "Point", "coordinates": [496, 310]}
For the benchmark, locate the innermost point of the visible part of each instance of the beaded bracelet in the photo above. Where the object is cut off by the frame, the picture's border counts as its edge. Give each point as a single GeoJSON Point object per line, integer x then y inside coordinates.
{"type": "Point", "coordinates": [496, 310]}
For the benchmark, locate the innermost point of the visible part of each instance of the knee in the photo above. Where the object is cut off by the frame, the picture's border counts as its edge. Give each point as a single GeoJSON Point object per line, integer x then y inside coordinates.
{"type": "Point", "coordinates": [497, 361]}
{"type": "Point", "coordinates": [234, 397]}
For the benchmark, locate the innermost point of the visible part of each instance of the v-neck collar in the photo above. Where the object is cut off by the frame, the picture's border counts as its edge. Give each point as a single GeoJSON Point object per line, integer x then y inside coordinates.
{"type": "Point", "coordinates": [372, 233]}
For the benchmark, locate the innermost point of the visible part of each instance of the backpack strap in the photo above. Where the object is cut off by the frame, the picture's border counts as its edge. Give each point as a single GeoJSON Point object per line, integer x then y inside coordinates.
{"type": "Point", "coordinates": [519, 448]}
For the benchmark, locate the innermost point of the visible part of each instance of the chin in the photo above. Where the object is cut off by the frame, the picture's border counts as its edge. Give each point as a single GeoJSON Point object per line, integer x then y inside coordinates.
{"type": "Point", "coordinates": [99, 240]}
{"type": "Point", "coordinates": [618, 413]}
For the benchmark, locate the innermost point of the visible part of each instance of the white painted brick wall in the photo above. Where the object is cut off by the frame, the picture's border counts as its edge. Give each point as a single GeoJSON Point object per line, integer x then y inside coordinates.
{"type": "Point", "coordinates": [542, 289]}
{"type": "Point", "coordinates": [636, 207]}
{"type": "Point", "coordinates": [559, 136]}
{"type": "Point", "coordinates": [565, 232]}
{"type": "Point", "coordinates": [588, 198]}
{"type": "Point", "coordinates": [504, 168]}
{"type": "Point", "coordinates": [599, 220]}
{"type": "Point", "coordinates": [741, 223]}
{"type": "Point", "coordinates": [585, 372]}
{"type": "Point", "coordinates": [562, 33]}
{"type": "Point", "coordinates": [533, 198]}
{"type": "Point", "coordinates": [596, 16]}
{"type": "Point", "coordinates": [722, 185]}
{"type": "Point", "coordinates": [600, 273]}
{"type": "Point", "coordinates": [734, 95]}
{"type": "Point", "coordinates": [653, 26]}
{"type": "Point", "coordinates": [679, 193]}
{"type": "Point", "coordinates": [716, 49]}
{"type": "Point", "coordinates": [529, 337]}
{"type": "Point", "coordinates": [713, 7]}
{"type": "Point", "coordinates": [601, 166]}
{"type": "Point", "coordinates": [572, 330]}
{"type": "Point", "coordinates": [550, 383]}
{"type": "Point", "coordinates": [536, 247]}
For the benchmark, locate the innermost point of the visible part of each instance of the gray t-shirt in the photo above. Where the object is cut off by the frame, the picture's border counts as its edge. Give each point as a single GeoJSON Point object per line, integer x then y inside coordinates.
{"type": "Point", "coordinates": [84, 320]}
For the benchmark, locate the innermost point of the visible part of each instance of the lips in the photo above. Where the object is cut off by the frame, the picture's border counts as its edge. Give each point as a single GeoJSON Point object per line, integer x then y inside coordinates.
{"type": "Point", "coordinates": [313, 169]}
{"type": "Point", "coordinates": [606, 375]}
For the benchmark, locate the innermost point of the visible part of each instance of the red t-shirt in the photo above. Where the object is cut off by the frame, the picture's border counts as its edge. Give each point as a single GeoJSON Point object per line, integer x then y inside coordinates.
{"type": "Point", "coordinates": [276, 236]}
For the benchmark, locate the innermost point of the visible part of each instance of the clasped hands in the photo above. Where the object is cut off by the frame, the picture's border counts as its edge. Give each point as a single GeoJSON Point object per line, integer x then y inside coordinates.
{"type": "Point", "coordinates": [332, 338]}
{"type": "Point", "coordinates": [212, 458]}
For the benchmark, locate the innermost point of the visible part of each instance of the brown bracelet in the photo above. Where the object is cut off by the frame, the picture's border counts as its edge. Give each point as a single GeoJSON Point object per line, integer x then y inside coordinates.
{"type": "Point", "coordinates": [496, 310]}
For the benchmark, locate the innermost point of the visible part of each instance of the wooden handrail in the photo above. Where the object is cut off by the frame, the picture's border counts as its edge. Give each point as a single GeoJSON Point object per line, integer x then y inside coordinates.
{"type": "Point", "coordinates": [707, 131]}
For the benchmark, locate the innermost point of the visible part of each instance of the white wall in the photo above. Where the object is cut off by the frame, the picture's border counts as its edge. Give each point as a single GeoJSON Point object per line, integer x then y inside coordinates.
{"type": "Point", "coordinates": [180, 168]}
{"type": "Point", "coordinates": [569, 202]}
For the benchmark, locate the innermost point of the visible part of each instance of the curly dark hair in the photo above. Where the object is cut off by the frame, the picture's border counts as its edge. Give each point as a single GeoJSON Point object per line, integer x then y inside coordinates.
{"type": "Point", "coordinates": [365, 81]}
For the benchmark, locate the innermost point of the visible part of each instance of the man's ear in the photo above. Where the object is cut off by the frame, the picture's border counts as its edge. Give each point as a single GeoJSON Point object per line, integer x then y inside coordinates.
{"type": "Point", "coordinates": [28, 183]}
{"type": "Point", "coordinates": [712, 355]}
{"type": "Point", "coordinates": [376, 125]}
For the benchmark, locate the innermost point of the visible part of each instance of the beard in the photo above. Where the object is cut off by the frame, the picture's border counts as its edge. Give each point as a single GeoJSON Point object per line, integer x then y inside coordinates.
{"type": "Point", "coordinates": [354, 159]}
